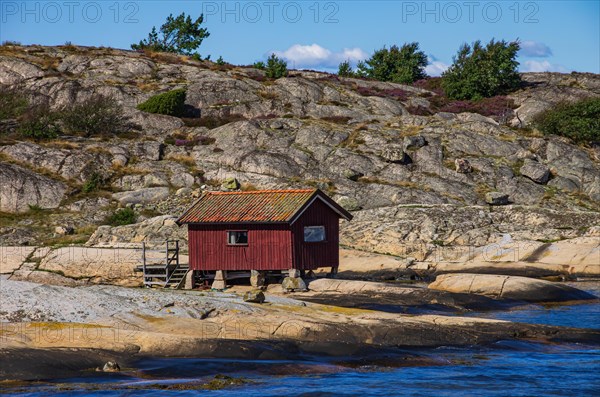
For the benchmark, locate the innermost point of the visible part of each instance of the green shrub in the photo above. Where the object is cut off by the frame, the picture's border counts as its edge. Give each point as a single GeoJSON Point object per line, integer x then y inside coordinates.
{"type": "Point", "coordinates": [579, 121]}
{"type": "Point", "coordinates": [403, 65]}
{"type": "Point", "coordinates": [345, 70]}
{"type": "Point", "coordinates": [259, 65]}
{"type": "Point", "coordinates": [125, 216]}
{"type": "Point", "coordinates": [97, 115]}
{"type": "Point", "coordinates": [276, 67]}
{"type": "Point", "coordinates": [220, 61]}
{"type": "Point", "coordinates": [34, 208]}
{"type": "Point", "coordinates": [171, 103]}
{"type": "Point", "coordinates": [92, 183]}
{"type": "Point", "coordinates": [40, 123]}
{"type": "Point", "coordinates": [482, 72]}
{"type": "Point", "coordinates": [12, 103]}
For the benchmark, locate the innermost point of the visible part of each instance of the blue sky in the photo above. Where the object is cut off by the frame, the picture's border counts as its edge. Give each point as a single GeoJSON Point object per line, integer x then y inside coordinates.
{"type": "Point", "coordinates": [556, 35]}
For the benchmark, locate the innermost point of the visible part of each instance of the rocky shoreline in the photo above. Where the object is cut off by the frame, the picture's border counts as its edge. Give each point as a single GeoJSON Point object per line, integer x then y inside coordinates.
{"type": "Point", "coordinates": [55, 331]}
{"type": "Point", "coordinates": [71, 309]}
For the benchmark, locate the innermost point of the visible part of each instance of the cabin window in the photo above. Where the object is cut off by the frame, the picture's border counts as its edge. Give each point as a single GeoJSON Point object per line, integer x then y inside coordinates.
{"type": "Point", "coordinates": [237, 237]}
{"type": "Point", "coordinates": [314, 234]}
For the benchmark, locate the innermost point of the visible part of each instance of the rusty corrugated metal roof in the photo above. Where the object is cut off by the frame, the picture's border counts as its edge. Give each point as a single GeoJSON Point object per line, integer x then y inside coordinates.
{"type": "Point", "coordinates": [255, 206]}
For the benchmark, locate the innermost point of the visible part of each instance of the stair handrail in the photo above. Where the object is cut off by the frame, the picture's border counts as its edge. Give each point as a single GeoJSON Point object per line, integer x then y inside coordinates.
{"type": "Point", "coordinates": [171, 275]}
{"type": "Point", "coordinates": [170, 259]}
{"type": "Point", "coordinates": [144, 262]}
{"type": "Point", "coordinates": [181, 281]}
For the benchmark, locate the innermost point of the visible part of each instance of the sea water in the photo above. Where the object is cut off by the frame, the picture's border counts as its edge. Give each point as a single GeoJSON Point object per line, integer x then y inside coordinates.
{"type": "Point", "coordinates": [505, 368]}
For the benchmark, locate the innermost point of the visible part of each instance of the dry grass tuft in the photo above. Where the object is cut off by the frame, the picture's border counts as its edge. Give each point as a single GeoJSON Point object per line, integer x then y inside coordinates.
{"type": "Point", "coordinates": [49, 63]}
{"type": "Point", "coordinates": [411, 130]}
{"type": "Point", "coordinates": [353, 140]}
{"type": "Point", "coordinates": [60, 144]}
{"type": "Point", "coordinates": [267, 94]}
{"type": "Point", "coordinates": [147, 86]}
{"type": "Point", "coordinates": [98, 150]}
{"type": "Point", "coordinates": [182, 159]}
{"type": "Point", "coordinates": [248, 187]}
{"type": "Point", "coordinates": [128, 170]}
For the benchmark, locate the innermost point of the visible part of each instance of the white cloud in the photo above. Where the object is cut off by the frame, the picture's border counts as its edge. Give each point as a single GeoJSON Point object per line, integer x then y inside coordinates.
{"type": "Point", "coordinates": [542, 66]}
{"type": "Point", "coordinates": [301, 56]}
{"type": "Point", "coordinates": [352, 54]}
{"type": "Point", "coordinates": [435, 67]}
{"type": "Point", "coordinates": [534, 49]}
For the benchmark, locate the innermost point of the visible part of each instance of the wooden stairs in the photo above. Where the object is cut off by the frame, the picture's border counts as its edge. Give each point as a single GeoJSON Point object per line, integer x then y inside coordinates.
{"type": "Point", "coordinates": [161, 268]}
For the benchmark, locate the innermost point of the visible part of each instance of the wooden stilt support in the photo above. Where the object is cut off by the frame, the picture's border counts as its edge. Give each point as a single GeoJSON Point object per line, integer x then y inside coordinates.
{"type": "Point", "coordinates": [220, 281]}
{"type": "Point", "coordinates": [257, 278]}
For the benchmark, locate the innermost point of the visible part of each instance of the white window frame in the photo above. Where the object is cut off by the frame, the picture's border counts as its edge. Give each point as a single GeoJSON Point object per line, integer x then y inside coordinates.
{"type": "Point", "coordinates": [319, 227]}
{"type": "Point", "coordinates": [229, 232]}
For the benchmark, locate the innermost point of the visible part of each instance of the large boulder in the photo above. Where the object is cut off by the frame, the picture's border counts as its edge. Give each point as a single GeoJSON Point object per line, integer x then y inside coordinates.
{"type": "Point", "coordinates": [413, 142]}
{"type": "Point", "coordinates": [11, 258]}
{"type": "Point", "coordinates": [68, 163]}
{"type": "Point", "coordinates": [101, 65]}
{"type": "Point", "coordinates": [496, 198]}
{"type": "Point", "coordinates": [254, 296]}
{"type": "Point", "coordinates": [148, 150]}
{"type": "Point", "coordinates": [293, 284]}
{"type": "Point", "coordinates": [22, 188]}
{"type": "Point", "coordinates": [135, 182]}
{"type": "Point", "coordinates": [97, 265]}
{"type": "Point", "coordinates": [564, 184]}
{"type": "Point", "coordinates": [349, 203]}
{"type": "Point", "coordinates": [142, 196]}
{"type": "Point", "coordinates": [463, 166]}
{"type": "Point", "coordinates": [365, 294]}
{"type": "Point", "coordinates": [535, 171]}
{"type": "Point", "coordinates": [157, 229]}
{"type": "Point", "coordinates": [515, 255]}
{"type": "Point", "coordinates": [571, 162]}
{"type": "Point", "coordinates": [46, 278]}
{"type": "Point", "coordinates": [395, 154]}
{"type": "Point", "coordinates": [13, 71]}
{"type": "Point", "coordinates": [508, 287]}
{"type": "Point", "coordinates": [120, 156]}
{"type": "Point", "coordinates": [230, 184]}
{"type": "Point", "coordinates": [352, 174]}
{"type": "Point", "coordinates": [111, 366]}
{"type": "Point", "coordinates": [351, 287]}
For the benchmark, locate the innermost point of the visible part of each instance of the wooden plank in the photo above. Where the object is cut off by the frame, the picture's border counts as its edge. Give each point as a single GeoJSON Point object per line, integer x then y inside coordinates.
{"type": "Point", "coordinates": [269, 248]}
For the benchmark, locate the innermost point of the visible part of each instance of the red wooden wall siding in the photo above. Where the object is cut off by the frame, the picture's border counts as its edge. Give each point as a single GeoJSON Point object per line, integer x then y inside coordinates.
{"type": "Point", "coordinates": [310, 256]}
{"type": "Point", "coordinates": [269, 247]}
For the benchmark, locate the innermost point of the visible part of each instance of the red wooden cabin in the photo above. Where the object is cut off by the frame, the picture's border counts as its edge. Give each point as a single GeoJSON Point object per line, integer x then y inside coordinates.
{"type": "Point", "coordinates": [264, 230]}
